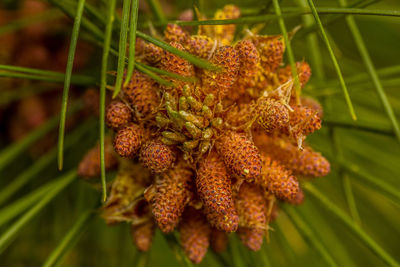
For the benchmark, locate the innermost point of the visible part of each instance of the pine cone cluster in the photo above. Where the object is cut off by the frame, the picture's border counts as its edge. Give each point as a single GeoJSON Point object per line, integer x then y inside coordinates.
{"type": "Point", "coordinates": [215, 154]}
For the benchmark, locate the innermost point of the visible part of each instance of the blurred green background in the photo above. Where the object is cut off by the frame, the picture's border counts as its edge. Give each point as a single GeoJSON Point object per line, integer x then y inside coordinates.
{"type": "Point", "coordinates": [363, 187]}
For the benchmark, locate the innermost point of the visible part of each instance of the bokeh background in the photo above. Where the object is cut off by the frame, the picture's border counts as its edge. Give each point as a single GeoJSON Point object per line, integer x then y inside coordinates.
{"type": "Point", "coordinates": [349, 218]}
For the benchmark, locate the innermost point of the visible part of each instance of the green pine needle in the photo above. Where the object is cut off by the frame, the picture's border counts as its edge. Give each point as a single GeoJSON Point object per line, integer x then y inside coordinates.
{"type": "Point", "coordinates": [308, 235]}
{"type": "Point", "coordinates": [313, 45]}
{"type": "Point", "coordinates": [157, 10]}
{"type": "Point", "coordinates": [32, 71]}
{"type": "Point", "coordinates": [332, 18]}
{"type": "Point", "coordinates": [67, 83]}
{"type": "Point", "coordinates": [377, 183]}
{"type": "Point", "coordinates": [122, 47]}
{"type": "Point", "coordinates": [103, 83]}
{"type": "Point", "coordinates": [372, 71]}
{"type": "Point", "coordinates": [19, 206]}
{"type": "Point", "coordinates": [293, 12]}
{"type": "Point", "coordinates": [317, 228]}
{"type": "Point", "coordinates": [351, 202]}
{"type": "Point", "coordinates": [43, 162]}
{"type": "Point", "coordinates": [10, 233]}
{"type": "Point", "coordinates": [177, 250]}
{"type": "Point", "coordinates": [290, 54]}
{"type": "Point", "coordinates": [234, 248]}
{"type": "Point", "coordinates": [17, 24]}
{"type": "Point", "coordinates": [132, 40]}
{"type": "Point", "coordinates": [70, 239]}
{"type": "Point", "coordinates": [192, 59]}
{"type": "Point", "coordinates": [152, 75]}
{"type": "Point", "coordinates": [10, 153]}
{"type": "Point", "coordinates": [75, 79]}
{"type": "Point", "coordinates": [167, 73]}
{"type": "Point", "coordinates": [381, 128]}
{"type": "Point", "coordinates": [333, 58]}
{"type": "Point", "coordinates": [368, 241]}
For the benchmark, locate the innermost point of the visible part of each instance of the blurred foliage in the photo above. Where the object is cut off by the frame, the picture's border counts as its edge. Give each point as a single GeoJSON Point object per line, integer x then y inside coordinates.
{"type": "Point", "coordinates": [376, 154]}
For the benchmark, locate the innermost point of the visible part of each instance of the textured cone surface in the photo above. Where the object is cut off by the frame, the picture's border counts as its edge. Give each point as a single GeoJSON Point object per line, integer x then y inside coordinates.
{"type": "Point", "coordinates": [156, 156]}
{"type": "Point", "coordinates": [299, 199]}
{"type": "Point", "coordinates": [90, 164]}
{"type": "Point", "coordinates": [128, 140]}
{"type": "Point", "coordinates": [251, 206]}
{"type": "Point", "coordinates": [271, 50]}
{"type": "Point", "coordinates": [172, 193]}
{"type": "Point", "coordinates": [142, 235]}
{"type": "Point", "coordinates": [304, 162]}
{"type": "Point", "coordinates": [153, 53]}
{"type": "Point", "coordinates": [226, 33]}
{"type": "Point", "coordinates": [194, 234]}
{"type": "Point", "coordinates": [251, 237]}
{"type": "Point", "coordinates": [240, 155]}
{"type": "Point", "coordinates": [303, 121]}
{"type": "Point", "coordinates": [200, 45]}
{"type": "Point", "coordinates": [272, 114]}
{"type": "Point", "coordinates": [313, 104]}
{"type": "Point", "coordinates": [140, 46]}
{"type": "Point", "coordinates": [248, 58]}
{"type": "Point", "coordinates": [141, 92]}
{"type": "Point", "coordinates": [277, 180]}
{"type": "Point", "coordinates": [215, 191]}
{"type": "Point", "coordinates": [219, 240]}
{"type": "Point", "coordinates": [174, 33]}
{"type": "Point", "coordinates": [118, 114]}
{"type": "Point", "coordinates": [274, 213]}
{"type": "Point", "coordinates": [303, 70]}
{"type": "Point", "coordinates": [240, 114]}
{"type": "Point", "coordinates": [220, 82]}
{"type": "Point", "coordinates": [177, 65]}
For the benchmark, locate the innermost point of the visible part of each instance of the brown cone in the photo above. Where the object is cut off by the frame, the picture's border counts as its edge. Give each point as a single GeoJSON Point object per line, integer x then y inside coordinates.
{"type": "Point", "coordinates": [142, 235]}
{"type": "Point", "coordinates": [128, 140]}
{"type": "Point", "coordinates": [118, 114]}
{"type": "Point", "coordinates": [304, 162]}
{"type": "Point", "coordinates": [141, 92]}
{"type": "Point", "coordinates": [240, 155]}
{"type": "Point", "coordinates": [215, 191]}
{"type": "Point", "coordinates": [194, 234]}
{"type": "Point", "coordinates": [251, 237]}
{"type": "Point", "coordinates": [156, 156]}
{"type": "Point", "coordinates": [172, 193]}
{"type": "Point", "coordinates": [89, 166]}
{"type": "Point", "coordinates": [220, 82]}
{"type": "Point", "coordinates": [219, 240]}
{"type": "Point", "coordinates": [278, 181]}
{"type": "Point", "coordinates": [251, 206]}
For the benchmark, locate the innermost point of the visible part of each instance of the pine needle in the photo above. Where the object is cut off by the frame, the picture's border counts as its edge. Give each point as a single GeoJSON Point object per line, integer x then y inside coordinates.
{"type": "Point", "coordinates": [363, 236]}
{"type": "Point", "coordinates": [10, 153]}
{"type": "Point", "coordinates": [192, 59]}
{"type": "Point", "coordinates": [15, 228]}
{"type": "Point", "coordinates": [333, 58]}
{"type": "Point", "coordinates": [132, 40]}
{"type": "Point", "coordinates": [157, 10]}
{"type": "Point", "coordinates": [103, 83]}
{"type": "Point", "coordinates": [288, 48]}
{"type": "Point", "coordinates": [308, 235]}
{"type": "Point", "coordinates": [67, 82]}
{"type": "Point", "coordinates": [122, 47]}
{"type": "Point", "coordinates": [70, 239]}
{"type": "Point", "coordinates": [358, 39]}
